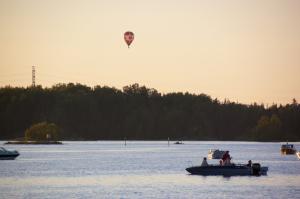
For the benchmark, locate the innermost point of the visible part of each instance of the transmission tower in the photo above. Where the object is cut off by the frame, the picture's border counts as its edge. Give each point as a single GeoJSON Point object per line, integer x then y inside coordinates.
{"type": "Point", "coordinates": [33, 76]}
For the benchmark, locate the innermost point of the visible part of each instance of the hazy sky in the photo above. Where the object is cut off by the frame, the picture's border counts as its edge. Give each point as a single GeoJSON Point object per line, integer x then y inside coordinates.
{"type": "Point", "coordinates": [246, 51]}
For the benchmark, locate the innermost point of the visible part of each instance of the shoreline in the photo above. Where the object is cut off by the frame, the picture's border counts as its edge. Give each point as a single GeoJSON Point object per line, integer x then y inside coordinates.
{"type": "Point", "coordinates": [33, 142]}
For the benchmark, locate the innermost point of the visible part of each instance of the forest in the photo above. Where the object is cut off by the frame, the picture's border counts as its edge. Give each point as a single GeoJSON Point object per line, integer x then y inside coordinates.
{"type": "Point", "coordinates": [140, 113]}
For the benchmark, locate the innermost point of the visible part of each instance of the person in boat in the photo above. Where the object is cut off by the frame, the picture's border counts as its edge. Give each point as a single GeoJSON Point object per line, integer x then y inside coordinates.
{"type": "Point", "coordinates": [204, 163]}
{"type": "Point", "coordinates": [226, 158]}
{"type": "Point", "coordinates": [249, 163]}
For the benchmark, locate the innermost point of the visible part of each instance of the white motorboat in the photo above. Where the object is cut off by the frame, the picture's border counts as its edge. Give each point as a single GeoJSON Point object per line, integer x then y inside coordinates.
{"type": "Point", "coordinates": [215, 154]}
{"type": "Point", "coordinates": [8, 155]}
{"type": "Point", "coordinates": [287, 149]}
{"type": "Point", "coordinates": [298, 154]}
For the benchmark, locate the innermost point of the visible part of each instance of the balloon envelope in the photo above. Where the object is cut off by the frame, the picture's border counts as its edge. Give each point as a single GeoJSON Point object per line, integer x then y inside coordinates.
{"type": "Point", "coordinates": [128, 37]}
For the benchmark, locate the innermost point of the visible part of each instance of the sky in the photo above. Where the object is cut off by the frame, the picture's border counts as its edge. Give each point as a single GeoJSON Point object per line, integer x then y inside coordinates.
{"type": "Point", "coordinates": [243, 50]}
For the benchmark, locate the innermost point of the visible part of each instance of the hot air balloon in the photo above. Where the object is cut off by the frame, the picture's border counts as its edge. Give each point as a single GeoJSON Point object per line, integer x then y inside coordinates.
{"type": "Point", "coordinates": [128, 37]}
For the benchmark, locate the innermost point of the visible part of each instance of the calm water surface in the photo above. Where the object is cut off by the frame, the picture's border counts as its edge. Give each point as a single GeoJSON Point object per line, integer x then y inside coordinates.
{"type": "Point", "coordinates": [142, 169]}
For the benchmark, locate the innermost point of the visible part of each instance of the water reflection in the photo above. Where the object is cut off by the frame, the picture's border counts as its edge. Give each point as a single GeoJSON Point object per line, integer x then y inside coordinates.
{"type": "Point", "coordinates": [138, 180]}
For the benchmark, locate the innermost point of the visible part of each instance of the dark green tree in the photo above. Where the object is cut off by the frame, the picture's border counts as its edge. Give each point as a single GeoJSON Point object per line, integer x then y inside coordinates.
{"type": "Point", "coordinates": [42, 131]}
{"type": "Point", "coordinates": [138, 112]}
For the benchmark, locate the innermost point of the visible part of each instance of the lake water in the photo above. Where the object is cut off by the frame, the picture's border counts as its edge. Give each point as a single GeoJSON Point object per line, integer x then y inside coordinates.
{"type": "Point", "coordinates": [142, 169]}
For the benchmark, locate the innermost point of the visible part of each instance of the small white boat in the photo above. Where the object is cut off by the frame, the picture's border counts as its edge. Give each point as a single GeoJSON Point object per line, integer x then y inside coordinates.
{"type": "Point", "coordinates": [287, 149]}
{"type": "Point", "coordinates": [215, 154]}
{"type": "Point", "coordinates": [8, 155]}
{"type": "Point", "coordinates": [298, 154]}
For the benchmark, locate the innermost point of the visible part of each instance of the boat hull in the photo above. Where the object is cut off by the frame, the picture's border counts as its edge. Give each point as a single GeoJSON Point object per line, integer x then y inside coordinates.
{"type": "Point", "coordinates": [232, 170]}
{"type": "Point", "coordinates": [8, 157]}
{"type": "Point", "coordinates": [288, 151]}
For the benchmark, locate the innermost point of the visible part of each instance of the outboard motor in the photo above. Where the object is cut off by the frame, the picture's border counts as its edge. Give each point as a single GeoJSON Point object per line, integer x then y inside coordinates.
{"type": "Point", "coordinates": [256, 169]}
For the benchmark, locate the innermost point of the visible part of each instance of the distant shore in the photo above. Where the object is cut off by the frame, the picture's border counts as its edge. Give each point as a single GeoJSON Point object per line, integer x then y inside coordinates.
{"type": "Point", "coordinates": [33, 142]}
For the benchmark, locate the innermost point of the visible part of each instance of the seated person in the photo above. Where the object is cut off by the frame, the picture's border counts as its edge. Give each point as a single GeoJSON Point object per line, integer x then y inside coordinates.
{"type": "Point", "coordinates": [204, 163]}
{"type": "Point", "coordinates": [221, 162]}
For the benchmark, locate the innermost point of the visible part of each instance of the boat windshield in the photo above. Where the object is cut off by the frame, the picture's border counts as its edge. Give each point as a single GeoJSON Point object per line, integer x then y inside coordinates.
{"type": "Point", "coordinates": [287, 146]}
{"type": "Point", "coordinates": [3, 149]}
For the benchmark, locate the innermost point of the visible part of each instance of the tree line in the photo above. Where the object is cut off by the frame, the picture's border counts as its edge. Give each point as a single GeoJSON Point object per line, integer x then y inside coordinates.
{"type": "Point", "coordinates": [141, 113]}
